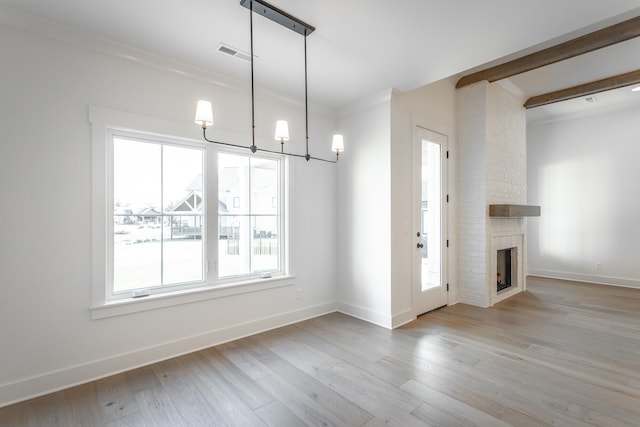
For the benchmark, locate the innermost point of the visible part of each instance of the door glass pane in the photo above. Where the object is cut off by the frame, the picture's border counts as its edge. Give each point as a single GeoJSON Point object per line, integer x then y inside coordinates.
{"type": "Point", "coordinates": [431, 208]}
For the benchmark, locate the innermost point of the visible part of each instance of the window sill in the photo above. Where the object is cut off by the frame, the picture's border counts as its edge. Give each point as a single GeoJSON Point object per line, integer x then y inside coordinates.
{"type": "Point", "coordinates": [152, 302]}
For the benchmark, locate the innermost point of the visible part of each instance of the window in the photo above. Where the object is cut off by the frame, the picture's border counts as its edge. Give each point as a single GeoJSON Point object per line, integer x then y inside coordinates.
{"type": "Point", "coordinates": [157, 215]}
{"type": "Point", "coordinates": [249, 225]}
{"type": "Point", "coordinates": [179, 219]}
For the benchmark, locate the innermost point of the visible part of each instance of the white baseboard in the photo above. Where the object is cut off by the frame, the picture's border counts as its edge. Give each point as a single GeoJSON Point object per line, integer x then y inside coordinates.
{"type": "Point", "coordinates": [375, 317]}
{"type": "Point", "coordinates": [588, 278]}
{"type": "Point", "coordinates": [402, 318]}
{"type": "Point", "coordinates": [368, 315]}
{"type": "Point", "coordinates": [68, 377]}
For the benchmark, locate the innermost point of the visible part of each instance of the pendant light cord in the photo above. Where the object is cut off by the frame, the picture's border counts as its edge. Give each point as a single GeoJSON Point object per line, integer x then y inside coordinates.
{"type": "Point", "coordinates": [307, 30]}
{"type": "Point", "coordinates": [253, 102]}
{"type": "Point", "coordinates": [306, 102]}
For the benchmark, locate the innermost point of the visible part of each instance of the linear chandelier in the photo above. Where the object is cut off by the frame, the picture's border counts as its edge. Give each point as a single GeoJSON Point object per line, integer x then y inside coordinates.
{"type": "Point", "coordinates": [204, 110]}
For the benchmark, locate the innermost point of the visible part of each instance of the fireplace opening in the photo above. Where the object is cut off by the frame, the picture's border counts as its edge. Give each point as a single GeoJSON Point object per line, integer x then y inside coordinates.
{"type": "Point", "coordinates": [507, 269]}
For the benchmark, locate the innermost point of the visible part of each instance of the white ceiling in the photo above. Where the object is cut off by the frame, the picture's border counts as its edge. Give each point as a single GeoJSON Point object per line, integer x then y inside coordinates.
{"type": "Point", "coordinates": [613, 60]}
{"type": "Point", "coordinates": [360, 47]}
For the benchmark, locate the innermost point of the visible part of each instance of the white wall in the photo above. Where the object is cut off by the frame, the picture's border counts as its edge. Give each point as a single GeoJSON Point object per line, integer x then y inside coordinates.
{"type": "Point", "coordinates": [365, 212]}
{"type": "Point", "coordinates": [47, 337]}
{"type": "Point", "coordinates": [374, 196]}
{"type": "Point", "coordinates": [471, 104]}
{"type": "Point", "coordinates": [583, 172]}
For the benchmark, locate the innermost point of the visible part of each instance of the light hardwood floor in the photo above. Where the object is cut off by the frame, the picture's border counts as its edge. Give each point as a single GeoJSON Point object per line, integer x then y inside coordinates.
{"type": "Point", "coordinates": [561, 354]}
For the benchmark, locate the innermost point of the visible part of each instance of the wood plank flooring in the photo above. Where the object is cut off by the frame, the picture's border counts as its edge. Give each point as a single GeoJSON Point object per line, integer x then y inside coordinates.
{"type": "Point", "coordinates": [561, 354]}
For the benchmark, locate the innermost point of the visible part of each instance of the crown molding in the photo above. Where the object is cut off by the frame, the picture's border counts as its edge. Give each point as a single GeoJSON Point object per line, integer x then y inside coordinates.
{"type": "Point", "coordinates": [39, 26]}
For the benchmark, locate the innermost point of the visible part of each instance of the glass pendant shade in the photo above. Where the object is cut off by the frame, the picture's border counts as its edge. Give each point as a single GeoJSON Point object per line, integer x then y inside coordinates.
{"type": "Point", "coordinates": [204, 113]}
{"type": "Point", "coordinates": [337, 146]}
{"type": "Point", "coordinates": [282, 130]}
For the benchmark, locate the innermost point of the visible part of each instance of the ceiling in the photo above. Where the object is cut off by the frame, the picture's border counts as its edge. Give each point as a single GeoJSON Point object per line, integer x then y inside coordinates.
{"type": "Point", "coordinates": [360, 47]}
{"type": "Point", "coordinates": [610, 61]}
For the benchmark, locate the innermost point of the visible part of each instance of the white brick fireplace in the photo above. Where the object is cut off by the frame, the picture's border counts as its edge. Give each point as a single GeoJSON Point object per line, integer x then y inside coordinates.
{"type": "Point", "coordinates": [492, 169]}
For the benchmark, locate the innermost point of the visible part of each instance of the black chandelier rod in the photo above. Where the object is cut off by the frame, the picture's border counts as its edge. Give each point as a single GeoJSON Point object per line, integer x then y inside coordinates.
{"type": "Point", "coordinates": [302, 156]}
{"type": "Point", "coordinates": [306, 101]}
{"type": "Point", "coordinates": [283, 18]}
{"type": "Point", "coordinates": [253, 102]}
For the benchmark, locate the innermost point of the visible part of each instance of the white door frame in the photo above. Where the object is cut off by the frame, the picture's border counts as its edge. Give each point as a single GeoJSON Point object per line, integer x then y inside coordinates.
{"type": "Point", "coordinates": [423, 301]}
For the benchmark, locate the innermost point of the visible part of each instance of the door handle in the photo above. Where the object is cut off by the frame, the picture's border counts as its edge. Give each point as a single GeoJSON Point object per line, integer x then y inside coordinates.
{"type": "Point", "coordinates": [420, 246]}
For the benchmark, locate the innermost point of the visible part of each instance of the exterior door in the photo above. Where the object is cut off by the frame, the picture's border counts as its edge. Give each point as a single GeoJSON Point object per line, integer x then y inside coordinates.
{"type": "Point", "coordinates": [429, 196]}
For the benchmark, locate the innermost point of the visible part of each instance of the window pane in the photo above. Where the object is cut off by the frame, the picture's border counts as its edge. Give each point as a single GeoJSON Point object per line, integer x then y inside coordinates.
{"type": "Point", "coordinates": [137, 215]}
{"type": "Point", "coordinates": [265, 245]}
{"type": "Point", "coordinates": [158, 215]}
{"type": "Point", "coordinates": [183, 258]}
{"type": "Point", "coordinates": [233, 184]}
{"type": "Point", "coordinates": [233, 231]}
{"type": "Point", "coordinates": [182, 179]}
{"type": "Point", "coordinates": [264, 186]}
{"type": "Point", "coordinates": [183, 200]}
{"type": "Point", "coordinates": [248, 221]}
{"type": "Point", "coordinates": [136, 257]}
{"type": "Point", "coordinates": [136, 174]}
{"type": "Point", "coordinates": [264, 210]}
{"type": "Point", "coordinates": [233, 246]}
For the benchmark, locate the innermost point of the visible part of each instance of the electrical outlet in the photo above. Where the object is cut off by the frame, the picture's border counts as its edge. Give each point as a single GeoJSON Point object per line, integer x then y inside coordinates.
{"type": "Point", "coordinates": [598, 265]}
{"type": "Point", "coordinates": [299, 293]}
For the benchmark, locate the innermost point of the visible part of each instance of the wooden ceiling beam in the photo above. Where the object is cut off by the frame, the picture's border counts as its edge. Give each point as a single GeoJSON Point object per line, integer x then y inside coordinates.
{"type": "Point", "coordinates": [589, 42]}
{"type": "Point", "coordinates": [585, 89]}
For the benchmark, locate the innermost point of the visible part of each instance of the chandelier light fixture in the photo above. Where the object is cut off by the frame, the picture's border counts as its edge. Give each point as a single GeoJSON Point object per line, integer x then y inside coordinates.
{"type": "Point", "coordinates": [204, 111]}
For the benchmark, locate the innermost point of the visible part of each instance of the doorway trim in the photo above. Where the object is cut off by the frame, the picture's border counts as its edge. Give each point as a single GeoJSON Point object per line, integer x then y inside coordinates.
{"type": "Point", "coordinates": [421, 133]}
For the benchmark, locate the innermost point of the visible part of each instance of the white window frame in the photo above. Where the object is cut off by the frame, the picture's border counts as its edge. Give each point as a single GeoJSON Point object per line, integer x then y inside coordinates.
{"type": "Point", "coordinates": [121, 134]}
{"type": "Point", "coordinates": [104, 124]}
